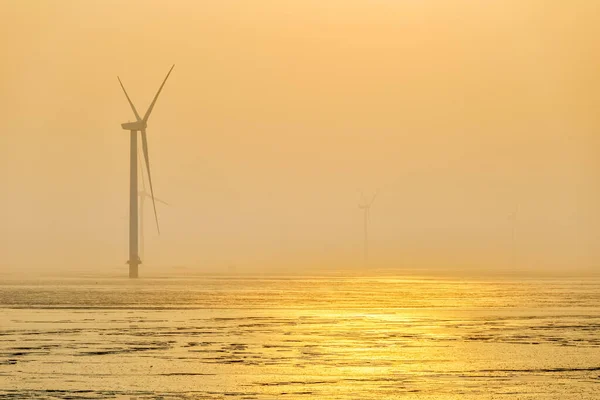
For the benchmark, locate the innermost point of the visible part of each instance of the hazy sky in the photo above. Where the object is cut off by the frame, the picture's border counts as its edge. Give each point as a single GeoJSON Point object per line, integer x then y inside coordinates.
{"type": "Point", "coordinates": [278, 113]}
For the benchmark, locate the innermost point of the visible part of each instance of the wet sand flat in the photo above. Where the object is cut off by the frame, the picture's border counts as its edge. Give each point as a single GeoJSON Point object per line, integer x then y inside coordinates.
{"type": "Point", "coordinates": [329, 338]}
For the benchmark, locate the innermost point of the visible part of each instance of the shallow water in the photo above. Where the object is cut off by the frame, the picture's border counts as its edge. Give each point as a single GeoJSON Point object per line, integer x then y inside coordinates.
{"type": "Point", "coordinates": [326, 338]}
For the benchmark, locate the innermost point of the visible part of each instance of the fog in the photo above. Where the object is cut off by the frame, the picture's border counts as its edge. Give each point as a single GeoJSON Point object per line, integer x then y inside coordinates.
{"type": "Point", "coordinates": [278, 114]}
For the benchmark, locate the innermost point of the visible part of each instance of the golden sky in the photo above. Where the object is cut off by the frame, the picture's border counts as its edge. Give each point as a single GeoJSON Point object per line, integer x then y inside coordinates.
{"type": "Point", "coordinates": [278, 113]}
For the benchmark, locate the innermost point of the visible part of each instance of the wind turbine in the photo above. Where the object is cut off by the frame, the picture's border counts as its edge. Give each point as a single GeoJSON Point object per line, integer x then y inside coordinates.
{"type": "Point", "coordinates": [366, 206]}
{"type": "Point", "coordinates": [143, 195]}
{"type": "Point", "coordinates": [139, 125]}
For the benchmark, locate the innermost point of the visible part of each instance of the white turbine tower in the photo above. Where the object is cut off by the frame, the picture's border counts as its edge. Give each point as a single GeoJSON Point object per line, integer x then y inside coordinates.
{"type": "Point", "coordinates": [365, 205]}
{"type": "Point", "coordinates": [139, 125]}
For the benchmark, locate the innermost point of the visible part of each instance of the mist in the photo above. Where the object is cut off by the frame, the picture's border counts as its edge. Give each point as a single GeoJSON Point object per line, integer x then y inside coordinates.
{"type": "Point", "coordinates": [277, 116]}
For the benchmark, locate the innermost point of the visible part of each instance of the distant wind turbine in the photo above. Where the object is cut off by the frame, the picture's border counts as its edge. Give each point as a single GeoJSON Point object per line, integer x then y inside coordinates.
{"type": "Point", "coordinates": [140, 125]}
{"type": "Point", "coordinates": [366, 206]}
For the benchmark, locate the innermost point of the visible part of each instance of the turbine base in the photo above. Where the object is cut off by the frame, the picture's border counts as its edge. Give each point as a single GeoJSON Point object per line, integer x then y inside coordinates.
{"type": "Point", "coordinates": [133, 268]}
{"type": "Point", "coordinates": [133, 271]}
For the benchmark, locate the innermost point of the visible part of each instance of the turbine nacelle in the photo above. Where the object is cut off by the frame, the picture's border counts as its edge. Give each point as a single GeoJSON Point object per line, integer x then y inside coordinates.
{"type": "Point", "coordinates": [134, 126]}
{"type": "Point", "coordinates": [364, 202]}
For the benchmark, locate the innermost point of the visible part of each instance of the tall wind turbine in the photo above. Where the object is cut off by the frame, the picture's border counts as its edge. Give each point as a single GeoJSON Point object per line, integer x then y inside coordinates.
{"type": "Point", "coordinates": [366, 206]}
{"type": "Point", "coordinates": [143, 195]}
{"type": "Point", "coordinates": [139, 125]}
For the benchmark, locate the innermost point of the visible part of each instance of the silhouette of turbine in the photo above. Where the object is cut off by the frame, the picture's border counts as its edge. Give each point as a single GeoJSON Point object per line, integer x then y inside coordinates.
{"type": "Point", "coordinates": [366, 206]}
{"type": "Point", "coordinates": [140, 125]}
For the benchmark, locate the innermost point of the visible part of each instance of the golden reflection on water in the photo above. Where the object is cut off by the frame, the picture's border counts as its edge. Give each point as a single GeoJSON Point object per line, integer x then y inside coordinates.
{"type": "Point", "coordinates": [295, 338]}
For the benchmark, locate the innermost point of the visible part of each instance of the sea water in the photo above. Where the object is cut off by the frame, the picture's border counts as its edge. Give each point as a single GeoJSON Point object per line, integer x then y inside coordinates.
{"type": "Point", "coordinates": [321, 338]}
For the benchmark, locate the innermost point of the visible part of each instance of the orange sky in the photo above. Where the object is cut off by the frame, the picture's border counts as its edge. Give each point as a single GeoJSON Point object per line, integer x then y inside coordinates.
{"type": "Point", "coordinates": [277, 113]}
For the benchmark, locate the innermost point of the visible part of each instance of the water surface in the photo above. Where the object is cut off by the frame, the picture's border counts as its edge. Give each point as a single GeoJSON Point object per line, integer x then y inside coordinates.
{"type": "Point", "coordinates": [325, 338]}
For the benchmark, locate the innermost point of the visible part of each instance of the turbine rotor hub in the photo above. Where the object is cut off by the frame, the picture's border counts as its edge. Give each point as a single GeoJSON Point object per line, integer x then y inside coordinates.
{"type": "Point", "coordinates": [134, 126]}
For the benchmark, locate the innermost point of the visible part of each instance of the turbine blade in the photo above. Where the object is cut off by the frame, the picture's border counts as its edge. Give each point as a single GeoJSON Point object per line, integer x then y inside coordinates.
{"type": "Point", "coordinates": [156, 97]}
{"type": "Point", "coordinates": [142, 169]}
{"type": "Point", "coordinates": [162, 201]}
{"type": "Point", "coordinates": [374, 197]}
{"type": "Point", "coordinates": [137, 116]}
{"type": "Point", "coordinates": [147, 158]}
{"type": "Point", "coordinates": [157, 199]}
